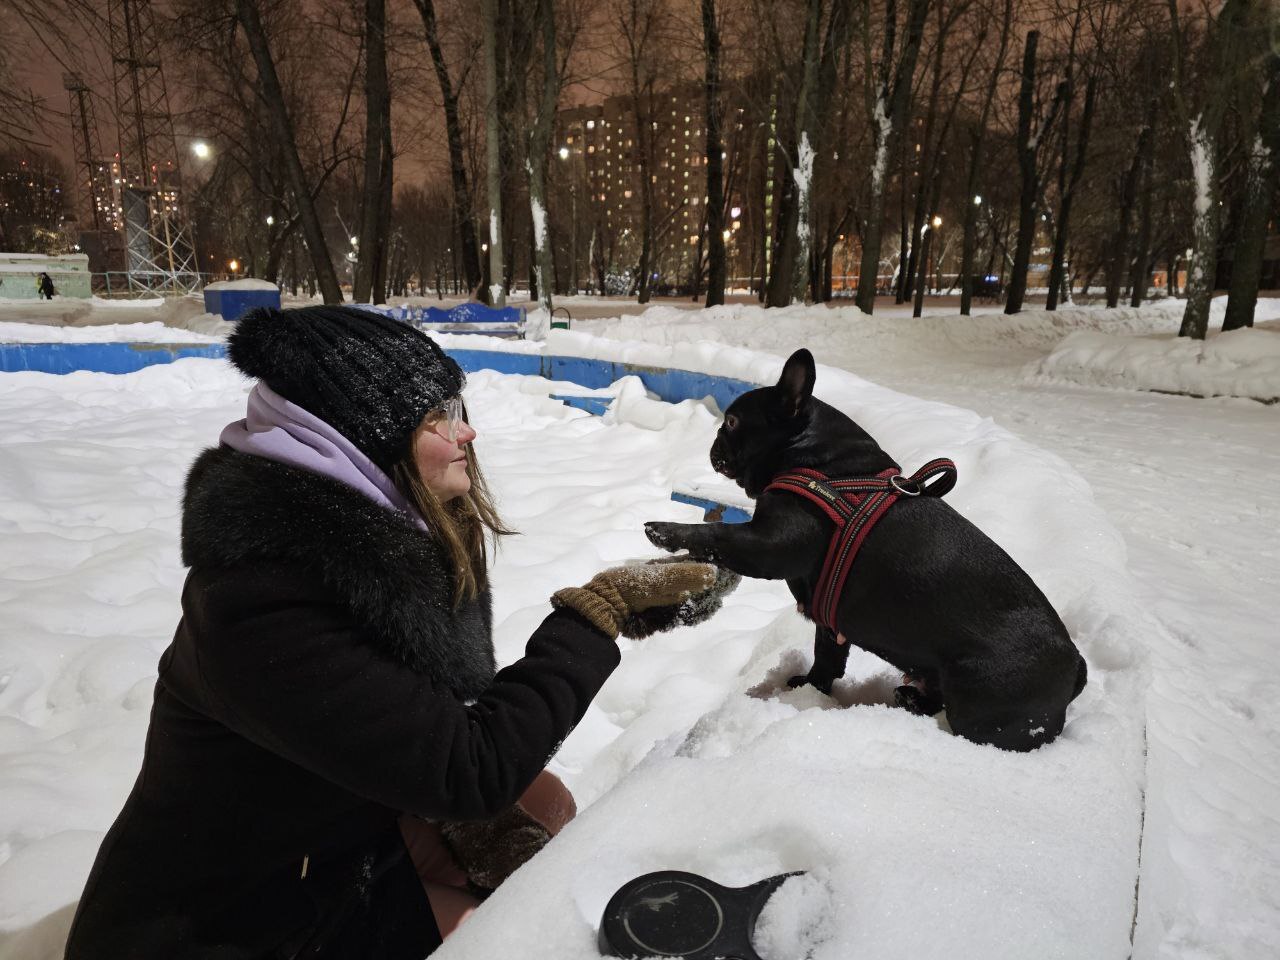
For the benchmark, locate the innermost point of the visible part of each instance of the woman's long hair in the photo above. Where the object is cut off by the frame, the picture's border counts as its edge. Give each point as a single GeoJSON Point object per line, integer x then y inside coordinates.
{"type": "Point", "coordinates": [464, 524]}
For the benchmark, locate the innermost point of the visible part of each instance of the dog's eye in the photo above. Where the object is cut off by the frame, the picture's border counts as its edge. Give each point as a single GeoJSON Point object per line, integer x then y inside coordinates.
{"type": "Point", "coordinates": [731, 422]}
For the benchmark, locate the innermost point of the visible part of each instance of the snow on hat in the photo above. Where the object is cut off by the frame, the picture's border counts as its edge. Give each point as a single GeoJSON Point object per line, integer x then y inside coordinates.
{"type": "Point", "coordinates": [370, 377]}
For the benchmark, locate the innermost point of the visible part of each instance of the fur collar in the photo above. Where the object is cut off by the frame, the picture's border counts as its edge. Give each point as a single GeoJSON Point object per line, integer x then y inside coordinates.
{"type": "Point", "coordinates": [395, 579]}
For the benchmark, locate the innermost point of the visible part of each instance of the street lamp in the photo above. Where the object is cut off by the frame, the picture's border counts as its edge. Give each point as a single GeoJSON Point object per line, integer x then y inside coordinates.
{"type": "Point", "coordinates": [201, 149]}
{"type": "Point", "coordinates": [735, 212]}
{"type": "Point", "coordinates": [270, 219]}
{"type": "Point", "coordinates": [937, 222]}
{"type": "Point", "coordinates": [234, 265]}
{"type": "Point", "coordinates": [564, 153]}
{"type": "Point", "coordinates": [977, 200]}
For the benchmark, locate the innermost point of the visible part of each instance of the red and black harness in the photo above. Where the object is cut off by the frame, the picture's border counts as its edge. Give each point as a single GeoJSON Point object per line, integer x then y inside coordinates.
{"type": "Point", "coordinates": [855, 506]}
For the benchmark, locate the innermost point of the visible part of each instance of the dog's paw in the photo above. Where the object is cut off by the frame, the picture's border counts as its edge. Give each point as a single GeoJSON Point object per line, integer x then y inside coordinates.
{"type": "Point", "coordinates": [664, 534]}
{"type": "Point", "coordinates": [917, 701]}
{"type": "Point", "coordinates": [821, 684]}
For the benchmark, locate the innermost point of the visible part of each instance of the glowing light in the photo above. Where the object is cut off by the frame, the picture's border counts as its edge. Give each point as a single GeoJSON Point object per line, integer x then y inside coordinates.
{"type": "Point", "coordinates": [201, 149]}
{"type": "Point", "coordinates": [270, 220]}
{"type": "Point", "coordinates": [234, 265]}
{"type": "Point", "coordinates": [735, 212]}
{"type": "Point", "coordinates": [977, 200]}
{"type": "Point", "coordinates": [564, 153]}
{"type": "Point", "coordinates": [937, 222]}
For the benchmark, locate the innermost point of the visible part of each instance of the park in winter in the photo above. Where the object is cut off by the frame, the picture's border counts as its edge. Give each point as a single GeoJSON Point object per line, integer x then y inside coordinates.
{"type": "Point", "coordinates": [714, 479]}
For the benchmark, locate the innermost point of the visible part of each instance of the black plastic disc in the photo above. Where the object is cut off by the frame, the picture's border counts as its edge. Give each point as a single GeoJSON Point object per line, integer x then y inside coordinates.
{"type": "Point", "coordinates": [676, 914]}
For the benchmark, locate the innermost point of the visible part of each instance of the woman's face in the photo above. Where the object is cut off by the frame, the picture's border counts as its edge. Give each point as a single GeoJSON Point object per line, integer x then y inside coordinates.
{"type": "Point", "coordinates": [441, 461]}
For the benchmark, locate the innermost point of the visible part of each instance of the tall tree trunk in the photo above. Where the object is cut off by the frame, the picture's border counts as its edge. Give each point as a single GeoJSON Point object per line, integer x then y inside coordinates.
{"type": "Point", "coordinates": [372, 233]}
{"type": "Point", "coordinates": [273, 96]}
{"type": "Point", "coordinates": [924, 174]}
{"type": "Point", "coordinates": [716, 267]}
{"type": "Point", "coordinates": [1058, 270]}
{"type": "Point", "coordinates": [1260, 194]}
{"type": "Point", "coordinates": [539, 149]}
{"type": "Point", "coordinates": [968, 251]}
{"type": "Point", "coordinates": [493, 159]}
{"type": "Point", "coordinates": [1204, 127]}
{"type": "Point", "coordinates": [1140, 275]}
{"type": "Point", "coordinates": [1029, 143]}
{"type": "Point", "coordinates": [888, 117]}
{"type": "Point", "coordinates": [464, 228]}
{"type": "Point", "coordinates": [1118, 249]}
{"type": "Point", "coordinates": [800, 223]}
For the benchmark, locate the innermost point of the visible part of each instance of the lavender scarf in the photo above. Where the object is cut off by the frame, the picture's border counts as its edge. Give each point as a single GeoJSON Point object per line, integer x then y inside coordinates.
{"type": "Point", "coordinates": [277, 429]}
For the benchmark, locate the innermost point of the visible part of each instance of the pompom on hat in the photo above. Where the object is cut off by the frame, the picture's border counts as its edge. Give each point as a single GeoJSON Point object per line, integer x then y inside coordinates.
{"type": "Point", "coordinates": [370, 377]}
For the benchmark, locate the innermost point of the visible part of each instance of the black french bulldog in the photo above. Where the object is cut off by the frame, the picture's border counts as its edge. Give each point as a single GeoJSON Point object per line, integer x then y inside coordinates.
{"type": "Point", "coordinates": [928, 592]}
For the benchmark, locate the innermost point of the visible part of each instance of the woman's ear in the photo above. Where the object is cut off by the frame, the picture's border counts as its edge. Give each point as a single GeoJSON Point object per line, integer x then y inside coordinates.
{"type": "Point", "coordinates": [796, 382]}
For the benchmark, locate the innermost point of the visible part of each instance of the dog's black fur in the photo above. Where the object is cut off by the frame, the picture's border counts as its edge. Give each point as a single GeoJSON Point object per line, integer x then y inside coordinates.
{"type": "Point", "coordinates": [929, 592]}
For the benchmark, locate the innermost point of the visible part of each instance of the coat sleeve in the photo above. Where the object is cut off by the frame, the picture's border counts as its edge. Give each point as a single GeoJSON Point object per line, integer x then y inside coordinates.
{"type": "Point", "coordinates": [292, 675]}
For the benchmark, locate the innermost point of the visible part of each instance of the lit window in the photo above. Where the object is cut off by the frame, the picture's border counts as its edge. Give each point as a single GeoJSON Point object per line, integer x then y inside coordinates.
{"type": "Point", "coordinates": [627, 194]}
{"type": "Point", "coordinates": [591, 148]}
{"type": "Point", "coordinates": [591, 124]}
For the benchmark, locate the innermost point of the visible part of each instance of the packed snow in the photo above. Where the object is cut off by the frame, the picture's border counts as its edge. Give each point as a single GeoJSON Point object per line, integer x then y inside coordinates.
{"type": "Point", "coordinates": [695, 756]}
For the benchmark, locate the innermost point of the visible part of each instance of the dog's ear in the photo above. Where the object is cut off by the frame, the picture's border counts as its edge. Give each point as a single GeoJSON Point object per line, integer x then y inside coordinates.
{"type": "Point", "coordinates": [796, 382]}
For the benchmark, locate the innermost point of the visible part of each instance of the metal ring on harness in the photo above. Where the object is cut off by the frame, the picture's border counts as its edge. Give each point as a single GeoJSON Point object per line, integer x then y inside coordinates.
{"type": "Point", "coordinates": [905, 491]}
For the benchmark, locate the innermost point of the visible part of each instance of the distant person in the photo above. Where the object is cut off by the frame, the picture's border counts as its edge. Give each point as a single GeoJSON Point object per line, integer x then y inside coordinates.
{"type": "Point", "coordinates": [45, 285]}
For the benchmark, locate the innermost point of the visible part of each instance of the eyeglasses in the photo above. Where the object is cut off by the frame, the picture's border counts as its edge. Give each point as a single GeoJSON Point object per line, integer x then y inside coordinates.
{"type": "Point", "coordinates": [451, 416]}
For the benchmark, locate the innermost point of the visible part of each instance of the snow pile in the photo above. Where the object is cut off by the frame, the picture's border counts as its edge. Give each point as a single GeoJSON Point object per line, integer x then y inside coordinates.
{"type": "Point", "coordinates": [1240, 363]}
{"type": "Point", "coordinates": [694, 756]}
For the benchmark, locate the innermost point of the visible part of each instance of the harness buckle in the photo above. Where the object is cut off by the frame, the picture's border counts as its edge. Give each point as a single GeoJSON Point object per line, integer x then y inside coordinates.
{"type": "Point", "coordinates": [907, 491]}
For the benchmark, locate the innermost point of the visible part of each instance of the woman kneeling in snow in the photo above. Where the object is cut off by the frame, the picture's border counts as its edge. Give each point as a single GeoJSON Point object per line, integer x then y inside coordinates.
{"type": "Point", "coordinates": [334, 768]}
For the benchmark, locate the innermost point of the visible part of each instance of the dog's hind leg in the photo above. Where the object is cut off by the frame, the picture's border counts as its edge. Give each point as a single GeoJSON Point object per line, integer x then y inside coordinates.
{"type": "Point", "coordinates": [1020, 730]}
{"type": "Point", "coordinates": [829, 659]}
{"type": "Point", "coordinates": [921, 698]}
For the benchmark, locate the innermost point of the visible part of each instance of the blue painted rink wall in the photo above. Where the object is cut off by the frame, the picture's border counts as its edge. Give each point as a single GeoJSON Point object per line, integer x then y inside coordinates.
{"type": "Point", "coordinates": [672, 386]}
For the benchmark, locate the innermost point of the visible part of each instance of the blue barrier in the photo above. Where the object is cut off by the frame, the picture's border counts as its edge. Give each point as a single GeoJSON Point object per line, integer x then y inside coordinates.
{"type": "Point", "coordinates": [233, 304]}
{"type": "Point", "coordinates": [672, 386]}
{"type": "Point", "coordinates": [465, 315]}
{"type": "Point", "coordinates": [713, 510]}
{"type": "Point", "coordinates": [596, 406]}
{"type": "Point", "coordinates": [99, 357]}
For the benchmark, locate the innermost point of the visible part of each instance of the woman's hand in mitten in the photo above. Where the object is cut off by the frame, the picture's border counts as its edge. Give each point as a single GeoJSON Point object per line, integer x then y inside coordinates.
{"type": "Point", "coordinates": [643, 598]}
{"type": "Point", "coordinates": [489, 851]}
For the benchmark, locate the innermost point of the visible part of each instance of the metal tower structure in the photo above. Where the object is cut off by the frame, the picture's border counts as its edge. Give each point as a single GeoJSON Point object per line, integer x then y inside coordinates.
{"type": "Point", "coordinates": [98, 174]}
{"type": "Point", "coordinates": [158, 247]}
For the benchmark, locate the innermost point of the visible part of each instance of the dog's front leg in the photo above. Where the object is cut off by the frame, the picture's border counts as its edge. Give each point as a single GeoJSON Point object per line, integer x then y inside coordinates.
{"type": "Point", "coordinates": [773, 545]}
{"type": "Point", "coordinates": [829, 660]}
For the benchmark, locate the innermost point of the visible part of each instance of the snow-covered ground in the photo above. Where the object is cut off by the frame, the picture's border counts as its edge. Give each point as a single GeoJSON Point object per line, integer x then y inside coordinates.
{"type": "Point", "coordinates": [1144, 517]}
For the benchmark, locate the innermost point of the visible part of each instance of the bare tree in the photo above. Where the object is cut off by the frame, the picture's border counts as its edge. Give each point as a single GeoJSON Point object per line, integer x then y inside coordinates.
{"type": "Point", "coordinates": [1201, 112]}
{"type": "Point", "coordinates": [970, 202]}
{"type": "Point", "coordinates": [273, 96]}
{"type": "Point", "coordinates": [1031, 137]}
{"type": "Point", "coordinates": [375, 198]}
{"type": "Point", "coordinates": [462, 216]}
{"type": "Point", "coordinates": [891, 98]}
{"type": "Point", "coordinates": [1259, 201]}
{"type": "Point", "coordinates": [714, 209]}
{"type": "Point", "coordinates": [493, 155]}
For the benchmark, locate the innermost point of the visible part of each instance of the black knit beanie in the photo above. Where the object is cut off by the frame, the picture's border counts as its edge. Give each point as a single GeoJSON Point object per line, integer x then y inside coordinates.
{"type": "Point", "coordinates": [370, 377]}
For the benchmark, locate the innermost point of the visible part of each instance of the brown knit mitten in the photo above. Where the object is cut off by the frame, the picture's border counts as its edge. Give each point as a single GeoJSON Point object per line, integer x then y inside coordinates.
{"type": "Point", "coordinates": [616, 600]}
{"type": "Point", "coordinates": [489, 851]}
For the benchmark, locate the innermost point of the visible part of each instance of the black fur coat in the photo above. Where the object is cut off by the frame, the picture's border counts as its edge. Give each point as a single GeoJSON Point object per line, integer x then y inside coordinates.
{"type": "Point", "coordinates": [320, 683]}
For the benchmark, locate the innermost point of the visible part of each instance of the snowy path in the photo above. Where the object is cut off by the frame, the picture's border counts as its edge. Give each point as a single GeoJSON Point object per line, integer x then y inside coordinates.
{"type": "Point", "coordinates": [1192, 486]}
